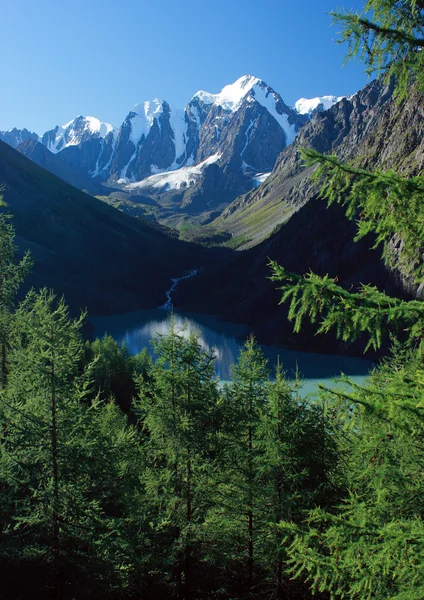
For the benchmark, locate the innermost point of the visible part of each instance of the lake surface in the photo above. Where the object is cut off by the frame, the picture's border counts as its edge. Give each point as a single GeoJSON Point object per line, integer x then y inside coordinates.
{"type": "Point", "coordinates": [138, 328]}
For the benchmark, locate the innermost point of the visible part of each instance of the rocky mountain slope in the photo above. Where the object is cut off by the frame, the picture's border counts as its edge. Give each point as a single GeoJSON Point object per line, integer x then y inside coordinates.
{"type": "Point", "coordinates": [370, 128]}
{"type": "Point", "coordinates": [94, 254]}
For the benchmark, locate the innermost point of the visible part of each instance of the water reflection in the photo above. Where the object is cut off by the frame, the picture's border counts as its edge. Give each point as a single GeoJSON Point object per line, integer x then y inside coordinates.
{"type": "Point", "coordinates": [137, 329]}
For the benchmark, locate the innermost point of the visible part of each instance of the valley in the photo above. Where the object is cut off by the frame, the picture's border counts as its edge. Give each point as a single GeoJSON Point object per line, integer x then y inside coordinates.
{"type": "Point", "coordinates": [211, 316]}
{"type": "Point", "coordinates": [231, 192]}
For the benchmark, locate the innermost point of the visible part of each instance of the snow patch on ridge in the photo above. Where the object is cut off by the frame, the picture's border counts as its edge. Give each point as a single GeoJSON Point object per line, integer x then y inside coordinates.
{"type": "Point", "coordinates": [306, 106]}
{"type": "Point", "coordinates": [244, 165]}
{"type": "Point", "coordinates": [174, 180]}
{"type": "Point", "coordinates": [179, 128]}
{"type": "Point", "coordinates": [97, 169]}
{"type": "Point", "coordinates": [260, 178]}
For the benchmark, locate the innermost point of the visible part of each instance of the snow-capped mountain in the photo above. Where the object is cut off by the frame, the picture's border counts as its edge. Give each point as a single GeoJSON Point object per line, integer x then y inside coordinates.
{"type": "Point", "coordinates": [230, 139]}
{"type": "Point", "coordinates": [79, 130]}
{"type": "Point", "coordinates": [311, 106]}
{"type": "Point", "coordinates": [153, 138]}
{"type": "Point", "coordinates": [247, 123]}
{"type": "Point", "coordinates": [156, 137]}
{"type": "Point", "coordinates": [14, 136]}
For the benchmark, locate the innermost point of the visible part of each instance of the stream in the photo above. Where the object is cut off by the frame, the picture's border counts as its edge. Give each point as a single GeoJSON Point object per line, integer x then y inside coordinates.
{"type": "Point", "coordinates": [175, 281]}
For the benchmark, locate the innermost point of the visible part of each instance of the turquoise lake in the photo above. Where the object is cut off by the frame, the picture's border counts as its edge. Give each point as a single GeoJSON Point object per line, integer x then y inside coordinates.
{"type": "Point", "coordinates": [137, 329]}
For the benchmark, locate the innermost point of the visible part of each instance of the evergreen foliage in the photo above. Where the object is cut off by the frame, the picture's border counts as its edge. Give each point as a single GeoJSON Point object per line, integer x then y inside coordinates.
{"type": "Point", "coordinates": [184, 504]}
{"type": "Point", "coordinates": [366, 311]}
{"type": "Point", "coordinates": [377, 200]}
{"type": "Point", "coordinates": [55, 483]}
{"type": "Point", "coordinates": [371, 544]}
{"type": "Point", "coordinates": [237, 519]}
{"type": "Point", "coordinates": [11, 276]}
{"type": "Point", "coordinates": [114, 370]}
{"type": "Point", "coordinates": [177, 411]}
{"type": "Point", "coordinates": [388, 37]}
{"type": "Point", "coordinates": [386, 204]}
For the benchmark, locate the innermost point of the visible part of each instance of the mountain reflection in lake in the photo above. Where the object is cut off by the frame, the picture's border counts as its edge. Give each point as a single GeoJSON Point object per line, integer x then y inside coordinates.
{"type": "Point", "coordinates": [137, 329]}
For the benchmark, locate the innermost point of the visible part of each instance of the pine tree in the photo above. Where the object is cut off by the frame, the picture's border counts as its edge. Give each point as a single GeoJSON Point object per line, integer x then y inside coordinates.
{"type": "Point", "coordinates": [177, 410]}
{"type": "Point", "coordinates": [298, 468]}
{"type": "Point", "coordinates": [55, 458]}
{"type": "Point", "coordinates": [235, 520]}
{"type": "Point", "coordinates": [11, 276]}
{"type": "Point", "coordinates": [371, 545]}
{"type": "Point", "coordinates": [114, 370]}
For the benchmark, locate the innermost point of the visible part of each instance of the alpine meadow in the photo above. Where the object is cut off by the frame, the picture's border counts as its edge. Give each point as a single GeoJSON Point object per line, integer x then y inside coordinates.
{"type": "Point", "coordinates": [134, 471]}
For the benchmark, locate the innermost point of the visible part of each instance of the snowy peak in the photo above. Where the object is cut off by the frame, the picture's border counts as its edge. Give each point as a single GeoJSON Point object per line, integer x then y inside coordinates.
{"type": "Point", "coordinates": [75, 132]}
{"type": "Point", "coordinates": [310, 106]}
{"type": "Point", "coordinates": [231, 96]}
{"type": "Point", "coordinates": [14, 137]}
{"type": "Point", "coordinates": [142, 117]}
{"type": "Point", "coordinates": [249, 89]}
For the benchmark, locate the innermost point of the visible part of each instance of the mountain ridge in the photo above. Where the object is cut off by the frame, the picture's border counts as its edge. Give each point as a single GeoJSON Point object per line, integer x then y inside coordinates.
{"type": "Point", "coordinates": [156, 137]}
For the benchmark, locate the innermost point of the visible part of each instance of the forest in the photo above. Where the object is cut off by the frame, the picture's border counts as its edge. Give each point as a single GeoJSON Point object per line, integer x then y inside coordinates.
{"type": "Point", "coordinates": [125, 477]}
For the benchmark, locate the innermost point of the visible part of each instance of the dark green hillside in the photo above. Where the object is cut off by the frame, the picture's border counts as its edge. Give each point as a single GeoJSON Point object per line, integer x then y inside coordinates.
{"type": "Point", "coordinates": [97, 256]}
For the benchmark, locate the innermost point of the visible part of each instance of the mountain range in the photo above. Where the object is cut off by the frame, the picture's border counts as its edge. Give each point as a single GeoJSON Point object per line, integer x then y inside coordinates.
{"type": "Point", "coordinates": [228, 141]}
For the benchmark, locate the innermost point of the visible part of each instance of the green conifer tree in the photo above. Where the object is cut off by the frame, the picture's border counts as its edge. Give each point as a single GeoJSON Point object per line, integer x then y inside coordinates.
{"type": "Point", "coordinates": [11, 276]}
{"type": "Point", "coordinates": [177, 409]}
{"type": "Point", "coordinates": [56, 464]}
{"type": "Point", "coordinates": [371, 546]}
{"type": "Point", "coordinates": [298, 469]}
{"type": "Point", "coordinates": [235, 520]}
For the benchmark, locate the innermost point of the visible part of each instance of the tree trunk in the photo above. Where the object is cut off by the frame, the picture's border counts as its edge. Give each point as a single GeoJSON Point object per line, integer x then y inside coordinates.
{"type": "Point", "coordinates": [250, 500]}
{"type": "Point", "coordinates": [187, 558]}
{"type": "Point", "coordinates": [55, 473]}
{"type": "Point", "coordinates": [3, 364]}
{"type": "Point", "coordinates": [279, 494]}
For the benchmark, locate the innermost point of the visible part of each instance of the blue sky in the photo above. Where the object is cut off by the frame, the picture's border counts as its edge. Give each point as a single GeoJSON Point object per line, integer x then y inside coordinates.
{"type": "Point", "coordinates": [63, 58]}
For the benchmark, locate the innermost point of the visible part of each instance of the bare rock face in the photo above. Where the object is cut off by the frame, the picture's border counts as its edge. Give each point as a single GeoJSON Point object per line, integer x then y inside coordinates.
{"type": "Point", "coordinates": [371, 128]}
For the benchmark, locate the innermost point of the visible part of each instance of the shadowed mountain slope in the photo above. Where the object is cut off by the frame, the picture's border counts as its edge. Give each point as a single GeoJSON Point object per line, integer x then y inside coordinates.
{"type": "Point", "coordinates": [97, 256]}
